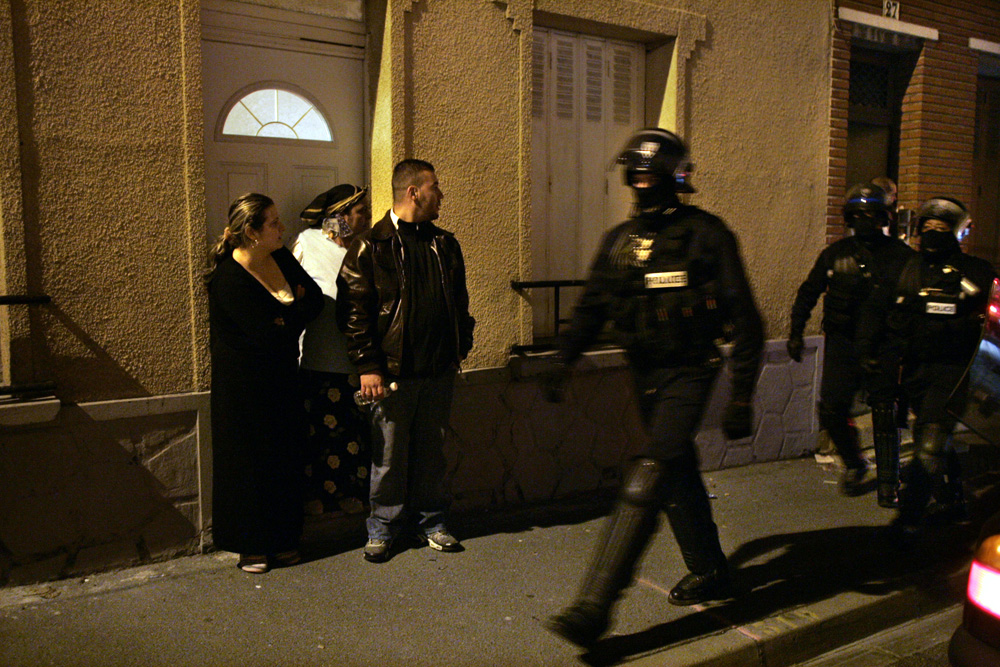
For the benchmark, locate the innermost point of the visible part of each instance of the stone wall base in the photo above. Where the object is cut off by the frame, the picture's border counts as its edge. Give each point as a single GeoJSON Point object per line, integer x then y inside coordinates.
{"type": "Point", "coordinates": [103, 485]}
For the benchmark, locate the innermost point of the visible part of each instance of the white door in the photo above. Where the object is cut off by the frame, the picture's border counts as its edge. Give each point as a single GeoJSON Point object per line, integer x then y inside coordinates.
{"type": "Point", "coordinates": [290, 76]}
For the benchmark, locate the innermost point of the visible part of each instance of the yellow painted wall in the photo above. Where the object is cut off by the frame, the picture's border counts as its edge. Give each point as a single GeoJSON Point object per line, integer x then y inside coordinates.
{"type": "Point", "coordinates": [462, 113]}
{"type": "Point", "coordinates": [758, 127]}
{"type": "Point", "coordinates": [113, 169]}
{"type": "Point", "coordinates": [748, 88]}
{"type": "Point", "coordinates": [109, 116]}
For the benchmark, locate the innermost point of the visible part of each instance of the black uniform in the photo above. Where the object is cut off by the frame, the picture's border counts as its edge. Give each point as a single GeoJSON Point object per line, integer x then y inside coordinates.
{"type": "Point", "coordinates": [673, 283]}
{"type": "Point", "coordinates": [935, 318]}
{"type": "Point", "coordinates": [847, 272]}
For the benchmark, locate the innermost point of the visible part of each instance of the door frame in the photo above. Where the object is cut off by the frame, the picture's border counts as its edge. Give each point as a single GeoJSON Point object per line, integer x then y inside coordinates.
{"type": "Point", "coordinates": [281, 29]}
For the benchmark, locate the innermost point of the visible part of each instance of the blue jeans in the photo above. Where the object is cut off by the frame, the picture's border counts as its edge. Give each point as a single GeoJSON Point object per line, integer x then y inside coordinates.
{"type": "Point", "coordinates": [408, 463]}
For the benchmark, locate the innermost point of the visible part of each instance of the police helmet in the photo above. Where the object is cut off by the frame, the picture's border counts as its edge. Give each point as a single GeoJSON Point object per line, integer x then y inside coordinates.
{"type": "Point", "coordinates": [949, 211]}
{"type": "Point", "coordinates": [867, 198]}
{"type": "Point", "coordinates": [658, 152]}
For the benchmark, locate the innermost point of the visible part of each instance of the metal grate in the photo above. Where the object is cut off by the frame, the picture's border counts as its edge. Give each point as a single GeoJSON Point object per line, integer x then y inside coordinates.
{"type": "Point", "coordinates": [538, 77]}
{"type": "Point", "coordinates": [869, 85]}
{"type": "Point", "coordinates": [564, 79]}
{"type": "Point", "coordinates": [595, 83]}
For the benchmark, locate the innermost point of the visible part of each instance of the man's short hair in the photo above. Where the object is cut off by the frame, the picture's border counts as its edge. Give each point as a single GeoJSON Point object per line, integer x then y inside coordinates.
{"type": "Point", "coordinates": [407, 173]}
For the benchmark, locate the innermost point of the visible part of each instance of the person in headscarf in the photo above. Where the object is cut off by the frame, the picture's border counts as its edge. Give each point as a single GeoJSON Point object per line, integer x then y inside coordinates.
{"type": "Point", "coordinates": [339, 450]}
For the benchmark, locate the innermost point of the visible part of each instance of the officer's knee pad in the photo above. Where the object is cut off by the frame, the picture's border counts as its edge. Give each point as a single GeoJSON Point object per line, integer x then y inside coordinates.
{"type": "Point", "coordinates": [642, 483]}
{"type": "Point", "coordinates": [931, 439]}
{"type": "Point", "coordinates": [933, 464]}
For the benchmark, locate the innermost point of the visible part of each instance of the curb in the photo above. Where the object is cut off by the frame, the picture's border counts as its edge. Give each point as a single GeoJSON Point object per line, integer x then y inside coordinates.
{"type": "Point", "coordinates": [797, 635]}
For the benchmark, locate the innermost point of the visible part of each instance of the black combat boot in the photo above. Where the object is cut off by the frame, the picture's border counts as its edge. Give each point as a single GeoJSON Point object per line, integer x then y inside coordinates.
{"type": "Point", "coordinates": [844, 437]}
{"type": "Point", "coordinates": [949, 506]}
{"type": "Point", "coordinates": [690, 515]}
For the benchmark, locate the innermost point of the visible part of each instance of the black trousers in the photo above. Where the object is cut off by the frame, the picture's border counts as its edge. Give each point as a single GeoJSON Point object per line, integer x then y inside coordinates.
{"type": "Point", "coordinates": [672, 402]}
{"type": "Point", "coordinates": [929, 386]}
{"type": "Point", "coordinates": [934, 470]}
{"type": "Point", "coordinates": [842, 378]}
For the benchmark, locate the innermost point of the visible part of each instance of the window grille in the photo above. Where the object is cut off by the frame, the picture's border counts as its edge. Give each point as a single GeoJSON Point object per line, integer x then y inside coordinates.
{"type": "Point", "coordinates": [274, 113]}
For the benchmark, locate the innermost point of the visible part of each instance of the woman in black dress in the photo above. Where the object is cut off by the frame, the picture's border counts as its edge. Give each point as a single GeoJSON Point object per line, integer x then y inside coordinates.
{"type": "Point", "coordinates": [260, 300]}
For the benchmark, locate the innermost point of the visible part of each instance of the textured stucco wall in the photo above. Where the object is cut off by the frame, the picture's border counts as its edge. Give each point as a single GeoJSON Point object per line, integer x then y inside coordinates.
{"type": "Point", "coordinates": [752, 99]}
{"type": "Point", "coordinates": [462, 114]}
{"type": "Point", "coordinates": [13, 321]}
{"type": "Point", "coordinates": [758, 121]}
{"type": "Point", "coordinates": [338, 9]}
{"type": "Point", "coordinates": [113, 191]}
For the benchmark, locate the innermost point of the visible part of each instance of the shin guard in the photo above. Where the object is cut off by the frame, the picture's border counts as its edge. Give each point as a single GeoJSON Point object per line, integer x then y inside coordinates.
{"type": "Point", "coordinates": [625, 536]}
{"type": "Point", "coordinates": [886, 437]}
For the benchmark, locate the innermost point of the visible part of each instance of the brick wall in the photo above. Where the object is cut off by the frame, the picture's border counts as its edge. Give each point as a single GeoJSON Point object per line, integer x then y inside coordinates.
{"type": "Point", "coordinates": [938, 114]}
{"type": "Point", "coordinates": [837, 182]}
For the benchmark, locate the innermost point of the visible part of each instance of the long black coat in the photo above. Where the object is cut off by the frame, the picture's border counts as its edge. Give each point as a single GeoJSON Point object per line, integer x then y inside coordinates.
{"type": "Point", "coordinates": [258, 420]}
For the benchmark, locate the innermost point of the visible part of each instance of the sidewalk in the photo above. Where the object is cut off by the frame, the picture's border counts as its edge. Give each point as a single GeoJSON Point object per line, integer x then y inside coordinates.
{"type": "Point", "coordinates": [814, 571]}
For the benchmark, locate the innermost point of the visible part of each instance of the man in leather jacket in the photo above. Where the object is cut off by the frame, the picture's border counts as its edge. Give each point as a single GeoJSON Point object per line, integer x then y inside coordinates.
{"type": "Point", "coordinates": [846, 273]}
{"type": "Point", "coordinates": [933, 317]}
{"type": "Point", "coordinates": [672, 282]}
{"type": "Point", "coordinates": [403, 306]}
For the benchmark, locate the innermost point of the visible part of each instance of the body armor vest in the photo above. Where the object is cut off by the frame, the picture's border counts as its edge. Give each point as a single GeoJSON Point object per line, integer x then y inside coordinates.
{"type": "Point", "coordinates": [665, 306]}
{"type": "Point", "coordinates": [849, 282]}
{"type": "Point", "coordinates": [938, 300]}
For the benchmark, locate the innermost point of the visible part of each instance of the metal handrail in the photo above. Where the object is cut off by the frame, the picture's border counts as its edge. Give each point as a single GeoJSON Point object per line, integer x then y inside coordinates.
{"type": "Point", "coordinates": [555, 285]}
{"type": "Point", "coordinates": [26, 388]}
{"type": "Point", "coordinates": [23, 299]}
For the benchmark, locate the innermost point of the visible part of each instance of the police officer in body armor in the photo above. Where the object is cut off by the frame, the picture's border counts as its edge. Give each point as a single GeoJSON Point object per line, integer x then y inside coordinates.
{"type": "Point", "coordinates": [846, 273]}
{"type": "Point", "coordinates": [670, 279]}
{"type": "Point", "coordinates": [934, 321]}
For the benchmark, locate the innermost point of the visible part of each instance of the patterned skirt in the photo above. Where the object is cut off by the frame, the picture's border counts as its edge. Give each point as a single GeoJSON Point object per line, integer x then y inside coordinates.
{"type": "Point", "coordinates": [339, 444]}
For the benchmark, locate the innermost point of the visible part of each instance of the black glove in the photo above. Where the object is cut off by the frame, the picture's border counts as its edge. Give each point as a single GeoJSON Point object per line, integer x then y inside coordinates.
{"type": "Point", "coordinates": [737, 420]}
{"type": "Point", "coordinates": [794, 346]}
{"type": "Point", "coordinates": [553, 381]}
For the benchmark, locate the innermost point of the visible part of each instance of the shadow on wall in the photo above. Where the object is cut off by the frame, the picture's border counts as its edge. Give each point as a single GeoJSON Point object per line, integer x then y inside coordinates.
{"type": "Point", "coordinates": [80, 495]}
{"type": "Point", "coordinates": [80, 374]}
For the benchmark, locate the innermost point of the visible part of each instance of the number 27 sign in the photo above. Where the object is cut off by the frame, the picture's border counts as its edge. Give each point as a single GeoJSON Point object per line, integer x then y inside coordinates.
{"type": "Point", "coordinates": [890, 8]}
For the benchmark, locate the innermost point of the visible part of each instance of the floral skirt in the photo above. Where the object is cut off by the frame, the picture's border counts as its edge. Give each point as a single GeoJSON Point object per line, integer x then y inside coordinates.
{"type": "Point", "coordinates": [339, 444]}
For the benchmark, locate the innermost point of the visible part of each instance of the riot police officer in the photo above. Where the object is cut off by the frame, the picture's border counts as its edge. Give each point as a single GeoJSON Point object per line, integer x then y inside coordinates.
{"type": "Point", "coordinates": [935, 316]}
{"type": "Point", "coordinates": [846, 273]}
{"type": "Point", "coordinates": [670, 279]}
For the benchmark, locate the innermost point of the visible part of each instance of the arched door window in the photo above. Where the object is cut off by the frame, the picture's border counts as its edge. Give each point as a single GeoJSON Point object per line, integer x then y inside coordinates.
{"type": "Point", "coordinates": [273, 112]}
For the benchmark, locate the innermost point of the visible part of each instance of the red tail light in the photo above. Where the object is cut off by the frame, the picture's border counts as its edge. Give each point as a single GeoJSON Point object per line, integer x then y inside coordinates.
{"type": "Point", "coordinates": [984, 588]}
{"type": "Point", "coordinates": [994, 308]}
{"type": "Point", "coordinates": [984, 576]}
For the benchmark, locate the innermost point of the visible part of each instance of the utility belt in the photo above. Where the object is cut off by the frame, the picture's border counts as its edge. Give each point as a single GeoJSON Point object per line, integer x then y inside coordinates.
{"type": "Point", "coordinates": [658, 311]}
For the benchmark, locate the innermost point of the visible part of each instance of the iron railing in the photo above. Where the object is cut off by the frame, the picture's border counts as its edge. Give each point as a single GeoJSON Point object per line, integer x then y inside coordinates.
{"type": "Point", "coordinates": [26, 389]}
{"type": "Point", "coordinates": [555, 286]}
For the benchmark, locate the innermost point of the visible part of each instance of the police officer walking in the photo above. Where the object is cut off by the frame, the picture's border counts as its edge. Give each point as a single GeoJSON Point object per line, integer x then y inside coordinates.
{"type": "Point", "coordinates": [935, 316]}
{"type": "Point", "coordinates": [846, 273]}
{"type": "Point", "coordinates": [670, 279]}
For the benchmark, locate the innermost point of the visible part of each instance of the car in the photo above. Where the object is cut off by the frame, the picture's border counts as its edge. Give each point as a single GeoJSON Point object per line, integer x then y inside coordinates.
{"type": "Point", "coordinates": [976, 642]}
